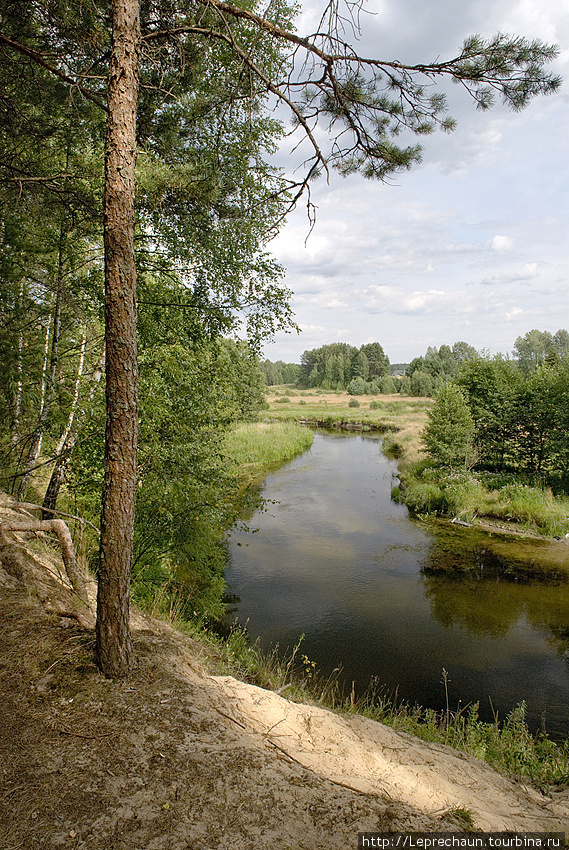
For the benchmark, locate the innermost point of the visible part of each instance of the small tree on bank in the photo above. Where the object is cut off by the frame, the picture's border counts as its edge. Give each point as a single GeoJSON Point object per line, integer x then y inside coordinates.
{"type": "Point", "coordinates": [449, 433]}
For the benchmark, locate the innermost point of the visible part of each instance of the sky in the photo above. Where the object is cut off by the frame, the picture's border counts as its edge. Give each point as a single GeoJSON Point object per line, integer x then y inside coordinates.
{"type": "Point", "coordinates": [473, 243]}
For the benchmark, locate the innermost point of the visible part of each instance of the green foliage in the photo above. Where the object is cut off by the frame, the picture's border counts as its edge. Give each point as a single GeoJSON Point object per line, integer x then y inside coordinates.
{"type": "Point", "coordinates": [338, 365]}
{"type": "Point", "coordinates": [521, 421]}
{"type": "Point", "coordinates": [357, 386]}
{"type": "Point", "coordinates": [421, 383]}
{"type": "Point", "coordinates": [449, 432]}
{"type": "Point", "coordinates": [353, 403]}
{"type": "Point", "coordinates": [536, 347]}
{"type": "Point", "coordinates": [279, 372]}
{"type": "Point", "coordinates": [184, 499]}
{"type": "Point", "coordinates": [254, 447]}
{"type": "Point", "coordinates": [387, 385]}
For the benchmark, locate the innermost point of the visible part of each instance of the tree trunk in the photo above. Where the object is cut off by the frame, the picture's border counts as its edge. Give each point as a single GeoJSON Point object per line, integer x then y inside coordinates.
{"type": "Point", "coordinates": [48, 377]}
{"type": "Point", "coordinates": [75, 575]}
{"type": "Point", "coordinates": [113, 644]}
{"type": "Point", "coordinates": [75, 401]}
{"type": "Point", "coordinates": [66, 445]}
{"type": "Point", "coordinates": [19, 382]}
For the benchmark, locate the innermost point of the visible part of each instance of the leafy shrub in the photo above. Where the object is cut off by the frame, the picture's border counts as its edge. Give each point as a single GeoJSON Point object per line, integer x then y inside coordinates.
{"type": "Point", "coordinates": [357, 386]}
{"type": "Point", "coordinates": [284, 400]}
{"type": "Point", "coordinates": [353, 403]}
{"type": "Point", "coordinates": [375, 404]}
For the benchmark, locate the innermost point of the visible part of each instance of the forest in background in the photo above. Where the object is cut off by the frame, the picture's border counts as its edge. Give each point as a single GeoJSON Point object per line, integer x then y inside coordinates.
{"type": "Point", "coordinates": [501, 414]}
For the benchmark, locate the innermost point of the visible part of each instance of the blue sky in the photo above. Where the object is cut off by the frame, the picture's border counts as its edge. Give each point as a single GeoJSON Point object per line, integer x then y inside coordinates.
{"type": "Point", "coordinates": [473, 243]}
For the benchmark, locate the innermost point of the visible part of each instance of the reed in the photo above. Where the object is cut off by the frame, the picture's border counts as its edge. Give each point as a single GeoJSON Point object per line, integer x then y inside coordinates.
{"type": "Point", "coordinates": [256, 447]}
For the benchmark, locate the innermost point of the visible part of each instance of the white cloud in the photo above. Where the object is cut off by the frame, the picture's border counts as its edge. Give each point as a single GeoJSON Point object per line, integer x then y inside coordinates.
{"type": "Point", "coordinates": [502, 243]}
{"type": "Point", "coordinates": [528, 272]}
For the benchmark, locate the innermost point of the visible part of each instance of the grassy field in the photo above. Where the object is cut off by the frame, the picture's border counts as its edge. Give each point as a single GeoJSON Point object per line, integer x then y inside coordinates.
{"type": "Point", "coordinates": [400, 418]}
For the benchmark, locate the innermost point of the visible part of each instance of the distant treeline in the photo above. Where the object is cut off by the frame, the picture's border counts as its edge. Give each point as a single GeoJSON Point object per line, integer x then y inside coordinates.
{"type": "Point", "coordinates": [367, 370]}
{"type": "Point", "coordinates": [279, 372]}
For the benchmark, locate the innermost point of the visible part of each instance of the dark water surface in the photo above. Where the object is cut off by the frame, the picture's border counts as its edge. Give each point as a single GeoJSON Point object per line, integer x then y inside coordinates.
{"type": "Point", "coordinates": [335, 559]}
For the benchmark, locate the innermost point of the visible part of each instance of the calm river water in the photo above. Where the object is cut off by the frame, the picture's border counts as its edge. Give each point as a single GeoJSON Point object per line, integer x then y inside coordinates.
{"type": "Point", "coordinates": [336, 560]}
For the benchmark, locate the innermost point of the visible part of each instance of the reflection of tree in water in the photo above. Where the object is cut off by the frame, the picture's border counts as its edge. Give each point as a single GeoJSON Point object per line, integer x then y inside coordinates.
{"type": "Point", "coordinates": [477, 590]}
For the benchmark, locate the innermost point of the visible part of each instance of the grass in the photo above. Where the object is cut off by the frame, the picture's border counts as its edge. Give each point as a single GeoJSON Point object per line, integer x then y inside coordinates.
{"type": "Point", "coordinates": [257, 447]}
{"type": "Point", "coordinates": [471, 495]}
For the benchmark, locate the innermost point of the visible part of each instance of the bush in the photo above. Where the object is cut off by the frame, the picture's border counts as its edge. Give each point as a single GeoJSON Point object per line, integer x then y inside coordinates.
{"type": "Point", "coordinates": [357, 386]}
{"type": "Point", "coordinates": [284, 400]}
{"type": "Point", "coordinates": [464, 495]}
{"type": "Point", "coordinates": [449, 432]}
{"type": "Point", "coordinates": [375, 404]}
{"type": "Point", "coordinates": [353, 403]}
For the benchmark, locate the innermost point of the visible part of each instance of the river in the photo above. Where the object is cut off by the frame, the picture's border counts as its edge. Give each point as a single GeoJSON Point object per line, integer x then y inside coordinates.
{"type": "Point", "coordinates": [394, 600]}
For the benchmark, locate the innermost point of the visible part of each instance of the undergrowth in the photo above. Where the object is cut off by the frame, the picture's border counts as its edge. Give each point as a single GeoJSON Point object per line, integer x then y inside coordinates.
{"type": "Point", "coordinates": [431, 490]}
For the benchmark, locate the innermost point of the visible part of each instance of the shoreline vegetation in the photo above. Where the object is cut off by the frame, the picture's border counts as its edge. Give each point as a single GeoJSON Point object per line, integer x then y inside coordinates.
{"type": "Point", "coordinates": [505, 503]}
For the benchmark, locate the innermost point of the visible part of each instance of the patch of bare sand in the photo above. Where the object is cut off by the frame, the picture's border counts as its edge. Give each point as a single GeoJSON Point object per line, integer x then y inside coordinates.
{"type": "Point", "coordinates": [372, 758]}
{"type": "Point", "coordinates": [172, 759]}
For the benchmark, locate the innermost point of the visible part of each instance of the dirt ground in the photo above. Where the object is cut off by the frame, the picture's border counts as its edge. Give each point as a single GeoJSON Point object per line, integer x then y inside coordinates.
{"type": "Point", "coordinates": [172, 758]}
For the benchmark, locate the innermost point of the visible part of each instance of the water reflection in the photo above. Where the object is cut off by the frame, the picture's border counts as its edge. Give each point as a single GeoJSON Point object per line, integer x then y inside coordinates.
{"type": "Point", "coordinates": [471, 586]}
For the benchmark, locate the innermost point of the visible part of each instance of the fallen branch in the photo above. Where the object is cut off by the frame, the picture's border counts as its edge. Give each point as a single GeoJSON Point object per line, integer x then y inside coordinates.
{"type": "Point", "coordinates": [75, 575]}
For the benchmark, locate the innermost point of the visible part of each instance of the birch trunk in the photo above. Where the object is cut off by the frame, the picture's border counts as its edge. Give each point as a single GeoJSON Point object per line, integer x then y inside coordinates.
{"type": "Point", "coordinates": [69, 438]}
{"type": "Point", "coordinates": [49, 378]}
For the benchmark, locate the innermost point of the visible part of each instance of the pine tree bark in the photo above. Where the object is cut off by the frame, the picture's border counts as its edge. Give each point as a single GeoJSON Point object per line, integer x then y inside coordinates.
{"type": "Point", "coordinates": [113, 639]}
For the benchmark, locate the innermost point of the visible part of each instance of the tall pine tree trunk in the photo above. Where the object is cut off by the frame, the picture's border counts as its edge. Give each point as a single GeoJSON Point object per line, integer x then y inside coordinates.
{"type": "Point", "coordinates": [114, 646]}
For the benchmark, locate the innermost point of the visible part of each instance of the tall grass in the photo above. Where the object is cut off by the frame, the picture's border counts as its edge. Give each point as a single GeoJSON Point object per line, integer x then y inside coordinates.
{"type": "Point", "coordinates": [429, 490]}
{"type": "Point", "coordinates": [258, 446]}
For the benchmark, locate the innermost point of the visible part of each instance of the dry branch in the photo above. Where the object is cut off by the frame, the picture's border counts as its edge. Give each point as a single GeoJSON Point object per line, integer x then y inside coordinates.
{"type": "Point", "coordinates": [75, 575]}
